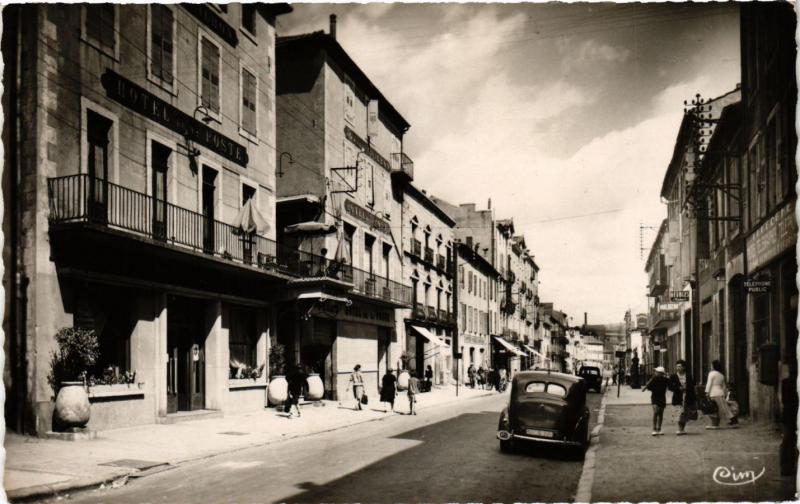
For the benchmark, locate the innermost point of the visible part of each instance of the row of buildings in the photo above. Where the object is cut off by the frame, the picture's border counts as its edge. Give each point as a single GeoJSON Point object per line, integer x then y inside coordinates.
{"type": "Point", "coordinates": [201, 193]}
{"type": "Point", "coordinates": [722, 269]}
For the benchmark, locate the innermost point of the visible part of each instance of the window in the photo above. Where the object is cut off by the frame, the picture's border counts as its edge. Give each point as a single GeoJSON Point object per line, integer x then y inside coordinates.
{"type": "Point", "coordinates": [100, 27]}
{"type": "Point", "coordinates": [242, 341]}
{"type": "Point", "coordinates": [463, 308]}
{"type": "Point", "coordinates": [368, 242]}
{"type": "Point", "coordinates": [535, 387]}
{"type": "Point", "coordinates": [347, 253]}
{"type": "Point", "coordinates": [249, 17]}
{"type": "Point", "coordinates": [734, 207]}
{"type": "Point", "coordinates": [387, 249]}
{"type": "Point", "coordinates": [159, 169]}
{"type": "Point", "coordinates": [162, 43]}
{"type": "Point", "coordinates": [349, 101]}
{"type": "Point", "coordinates": [249, 93]}
{"type": "Point", "coordinates": [209, 74]}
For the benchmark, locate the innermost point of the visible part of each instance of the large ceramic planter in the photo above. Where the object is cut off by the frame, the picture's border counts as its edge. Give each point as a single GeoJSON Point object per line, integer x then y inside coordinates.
{"type": "Point", "coordinates": [315, 388]}
{"type": "Point", "coordinates": [402, 380]}
{"type": "Point", "coordinates": [278, 390]}
{"type": "Point", "coordinates": [72, 406]}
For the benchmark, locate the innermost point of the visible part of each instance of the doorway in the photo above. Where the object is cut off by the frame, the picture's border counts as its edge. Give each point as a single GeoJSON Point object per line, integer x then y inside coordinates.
{"type": "Point", "coordinates": [384, 337]}
{"type": "Point", "coordinates": [186, 350]}
{"type": "Point", "coordinates": [740, 373]}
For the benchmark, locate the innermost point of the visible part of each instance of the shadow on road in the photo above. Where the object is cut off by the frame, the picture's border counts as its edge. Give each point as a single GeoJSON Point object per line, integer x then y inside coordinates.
{"type": "Point", "coordinates": [454, 460]}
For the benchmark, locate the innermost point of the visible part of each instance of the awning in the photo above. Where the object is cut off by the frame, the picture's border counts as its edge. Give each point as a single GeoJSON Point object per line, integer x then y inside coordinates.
{"type": "Point", "coordinates": [321, 296]}
{"type": "Point", "coordinates": [430, 336]}
{"type": "Point", "coordinates": [312, 227]}
{"type": "Point", "coordinates": [535, 352]}
{"type": "Point", "coordinates": [508, 346]}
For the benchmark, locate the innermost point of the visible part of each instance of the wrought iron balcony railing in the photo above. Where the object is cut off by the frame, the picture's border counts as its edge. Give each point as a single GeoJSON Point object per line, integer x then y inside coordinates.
{"type": "Point", "coordinates": [85, 199]}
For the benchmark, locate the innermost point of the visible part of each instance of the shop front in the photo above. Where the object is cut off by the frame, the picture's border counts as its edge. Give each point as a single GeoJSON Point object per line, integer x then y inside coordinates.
{"type": "Point", "coordinates": [772, 298]}
{"type": "Point", "coordinates": [506, 356]}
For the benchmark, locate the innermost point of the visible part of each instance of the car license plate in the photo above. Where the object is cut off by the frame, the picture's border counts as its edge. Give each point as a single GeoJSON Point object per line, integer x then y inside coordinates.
{"type": "Point", "coordinates": [539, 433]}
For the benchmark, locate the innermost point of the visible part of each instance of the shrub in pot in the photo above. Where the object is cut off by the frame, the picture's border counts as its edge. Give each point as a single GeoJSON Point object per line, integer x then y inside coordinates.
{"type": "Point", "coordinates": [78, 351]}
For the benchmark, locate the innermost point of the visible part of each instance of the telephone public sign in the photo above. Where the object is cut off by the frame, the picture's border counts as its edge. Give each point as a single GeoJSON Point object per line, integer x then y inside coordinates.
{"type": "Point", "coordinates": [757, 286]}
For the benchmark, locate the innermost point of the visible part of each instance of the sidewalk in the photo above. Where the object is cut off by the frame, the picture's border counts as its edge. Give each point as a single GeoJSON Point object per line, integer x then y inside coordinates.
{"type": "Point", "coordinates": [631, 465]}
{"type": "Point", "coordinates": [40, 467]}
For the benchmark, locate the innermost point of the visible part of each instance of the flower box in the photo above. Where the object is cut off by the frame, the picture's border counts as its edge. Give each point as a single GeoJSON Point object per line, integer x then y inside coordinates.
{"type": "Point", "coordinates": [245, 383]}
{"type": "Point", "coordinates": [116, 390]}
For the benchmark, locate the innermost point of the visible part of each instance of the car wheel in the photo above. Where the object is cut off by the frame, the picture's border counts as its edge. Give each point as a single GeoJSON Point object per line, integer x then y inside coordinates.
{"type": "Point", "coordinates": [506, 446]}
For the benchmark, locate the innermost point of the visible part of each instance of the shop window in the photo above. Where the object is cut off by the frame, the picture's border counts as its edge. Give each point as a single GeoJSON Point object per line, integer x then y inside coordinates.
{"type": "Point", "coordinates": [249, 93]}
{"type": "Point", "coordinates": [108, 314]}
{"type": "Point", "coordinates": [209, 75]}
{"type": "Point", "coordinates": [243, 339]}
{"type": "Point", "coordinates": [100, 28]}
{"type": "Point", "coordinates": [249, 17]}
{"type": "Point", "coordinates": [162, 44]}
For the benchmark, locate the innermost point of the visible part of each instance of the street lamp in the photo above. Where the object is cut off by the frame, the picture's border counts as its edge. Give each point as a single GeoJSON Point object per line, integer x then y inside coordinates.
{"type": "Point", "coordinates": [280, 171]}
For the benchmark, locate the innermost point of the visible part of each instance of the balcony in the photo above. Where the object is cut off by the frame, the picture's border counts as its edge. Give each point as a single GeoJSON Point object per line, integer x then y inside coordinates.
{"type": "Point", "coordinates": [443, 315]}
{"type": "Point", "coordinates": [84, 200]}
{"type": "Point", "coordinates": [441, 262]}
{"type": "Point", "coordinates": [428, 255]}
{"type": "Point", "coordinates": [665, 314]}
{"type": "Point", "coordinates": [431, 314]}
{"type": "Point", "coordinates": [419, 312]}
{"type": "Point", "coordinates": [402, 166]}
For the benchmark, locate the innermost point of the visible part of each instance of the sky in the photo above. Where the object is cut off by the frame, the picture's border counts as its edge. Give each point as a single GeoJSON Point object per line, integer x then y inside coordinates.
{"type": "Point", "coordinates": [565, 115]}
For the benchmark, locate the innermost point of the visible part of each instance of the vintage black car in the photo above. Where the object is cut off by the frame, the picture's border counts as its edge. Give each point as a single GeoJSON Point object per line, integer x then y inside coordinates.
{"type": "Point", "coordinates": [545, 407]}
{"type": "Point", "coordinates": [593, 377]}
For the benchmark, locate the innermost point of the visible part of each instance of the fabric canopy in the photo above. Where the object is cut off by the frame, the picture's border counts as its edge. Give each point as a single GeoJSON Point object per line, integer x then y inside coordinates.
{"type": "Point", "coordinates": [250, 220]}
{"type": "Point", "coordinates": [430, 336]}
{"type": "Point", "coordinates": [508, 346]}
{"type": "Point", "coordinates": [312, 227]}
{"type": "Point", "coordinates": [321, 296]}
{"type": "Point", "coordinates": [535, 352]}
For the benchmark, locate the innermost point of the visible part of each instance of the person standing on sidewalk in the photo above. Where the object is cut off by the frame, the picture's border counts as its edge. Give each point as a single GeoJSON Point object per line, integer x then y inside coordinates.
{"type": "Point", "coordinates": [607, 372]}
{"type": "Point", "coordinates": [296, 381]}
{"type": "Point", "coordinates": [357, 382]}
{"type": "Point", "coordinates": [471, 375]}
{"type": "Point", "coordinates": [658, 385]}
{"type": "Point", "coordinates": [388, 389]}
{"type": "Point", "coordinates": [428, 379]}
{"type": "Point", "coordinates": [683, 396]}
{"type": "Point", "coordinates": [717, 391]}
{"type": "Point", "coordinates": [413, 390]}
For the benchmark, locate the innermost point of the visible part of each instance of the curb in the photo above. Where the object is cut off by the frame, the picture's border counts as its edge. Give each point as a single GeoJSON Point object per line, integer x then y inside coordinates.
{"type": "Point", "coordinates": [584, 492]}
{"type": "Point", "coordinates": [88, 483]}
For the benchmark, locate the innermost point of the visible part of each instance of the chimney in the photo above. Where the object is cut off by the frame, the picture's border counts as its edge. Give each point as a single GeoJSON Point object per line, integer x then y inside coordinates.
{"type": "Point", "coordinates": [333, 26]}
{"type": "Point", "coordinates": [585, 319]}
{"type": "Point", "coordinates": [489, 204]}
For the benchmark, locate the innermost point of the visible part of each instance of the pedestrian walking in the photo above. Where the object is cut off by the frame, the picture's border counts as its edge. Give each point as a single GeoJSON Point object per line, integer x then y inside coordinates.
{"type": "Point", "coordinates": [614, 375]}
{"type": "Point", "coordinates": [296, 381]}
{"type": "Point", "coordinates": [357, 383]}
{"type": "Point", "coordinates": [607, 372]}
{"type": "Point", "coordinates": [471, 375]}
{"type": "Point", "coordinates": [388, 389]}
{"type": "Point", "coordinates": [717, 391]}
{"type": "Point", "coordinates": [413, 390]}
{"type": "Point", "coordinates": [428, 378]}
{"type": "Point", "coordinates": [657, 386]}
{"type": "Point", "coordinates": [683, 396]}
{"type": "Point", "coordinates": [481, 377]}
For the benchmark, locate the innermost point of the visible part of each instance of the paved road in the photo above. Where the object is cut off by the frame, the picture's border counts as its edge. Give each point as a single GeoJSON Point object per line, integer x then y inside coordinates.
{"type": "Point", "coordinates": [446, 454]}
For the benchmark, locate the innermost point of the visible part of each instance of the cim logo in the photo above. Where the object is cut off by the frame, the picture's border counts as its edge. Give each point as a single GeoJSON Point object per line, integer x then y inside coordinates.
{"type": "Point", "coordinates": [730, 476]}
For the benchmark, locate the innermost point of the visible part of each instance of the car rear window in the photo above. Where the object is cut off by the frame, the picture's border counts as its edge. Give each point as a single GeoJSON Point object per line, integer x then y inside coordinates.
{"type": "Point", "coordinates": [551, 388]}
{"type": "Point", "coordinates": [591, 371]}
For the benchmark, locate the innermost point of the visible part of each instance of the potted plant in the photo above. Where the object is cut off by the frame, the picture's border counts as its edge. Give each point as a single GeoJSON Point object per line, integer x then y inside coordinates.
{"type": "Point", "coordinates": [402, 375]}
{"type": "Point", "coordinates": [316, 389]}
{"type": "Point", "coordinates": [78, 351]}
{"type": "Point", "coordinates": [278, 390]}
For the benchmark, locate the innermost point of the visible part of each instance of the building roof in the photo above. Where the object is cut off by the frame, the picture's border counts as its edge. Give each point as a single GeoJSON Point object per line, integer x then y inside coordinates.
{"type": "Point", "coordinates": [429, 203]}
{"type": "Point", "coordinates": [477, 260]}
{"type": "Point", "coordinates": [505, 225]}
{"type": "Point", "coordinates": [685, 133]}
{"type": "Point", "coordinates": [322, 41]}
{"type": "Point", "coordinates": [729, 122]}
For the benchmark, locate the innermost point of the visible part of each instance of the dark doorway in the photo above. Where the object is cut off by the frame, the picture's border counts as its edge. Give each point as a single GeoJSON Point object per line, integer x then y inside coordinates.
{"type": "Point", "coordinates": [209, 199]}
{"type": "Point", "coordinates": [316, 350]}
{"type": "Point", "coordinates": [707, 350]}
{"type": "Point", "coordinates": [160, 166]}
{"type": "Point", "coordinates": [739, 331]}
{"type": "Point", "coordinates": [384, 336]}
{"type": "Point", "coordinates": [186, 350]}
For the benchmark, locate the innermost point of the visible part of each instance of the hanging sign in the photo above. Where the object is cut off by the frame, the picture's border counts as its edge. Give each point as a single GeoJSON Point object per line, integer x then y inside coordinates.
{"type": "Point", "coordinates": [678, 296]}
{"type": "Point", "coordinates": [121, 90]}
